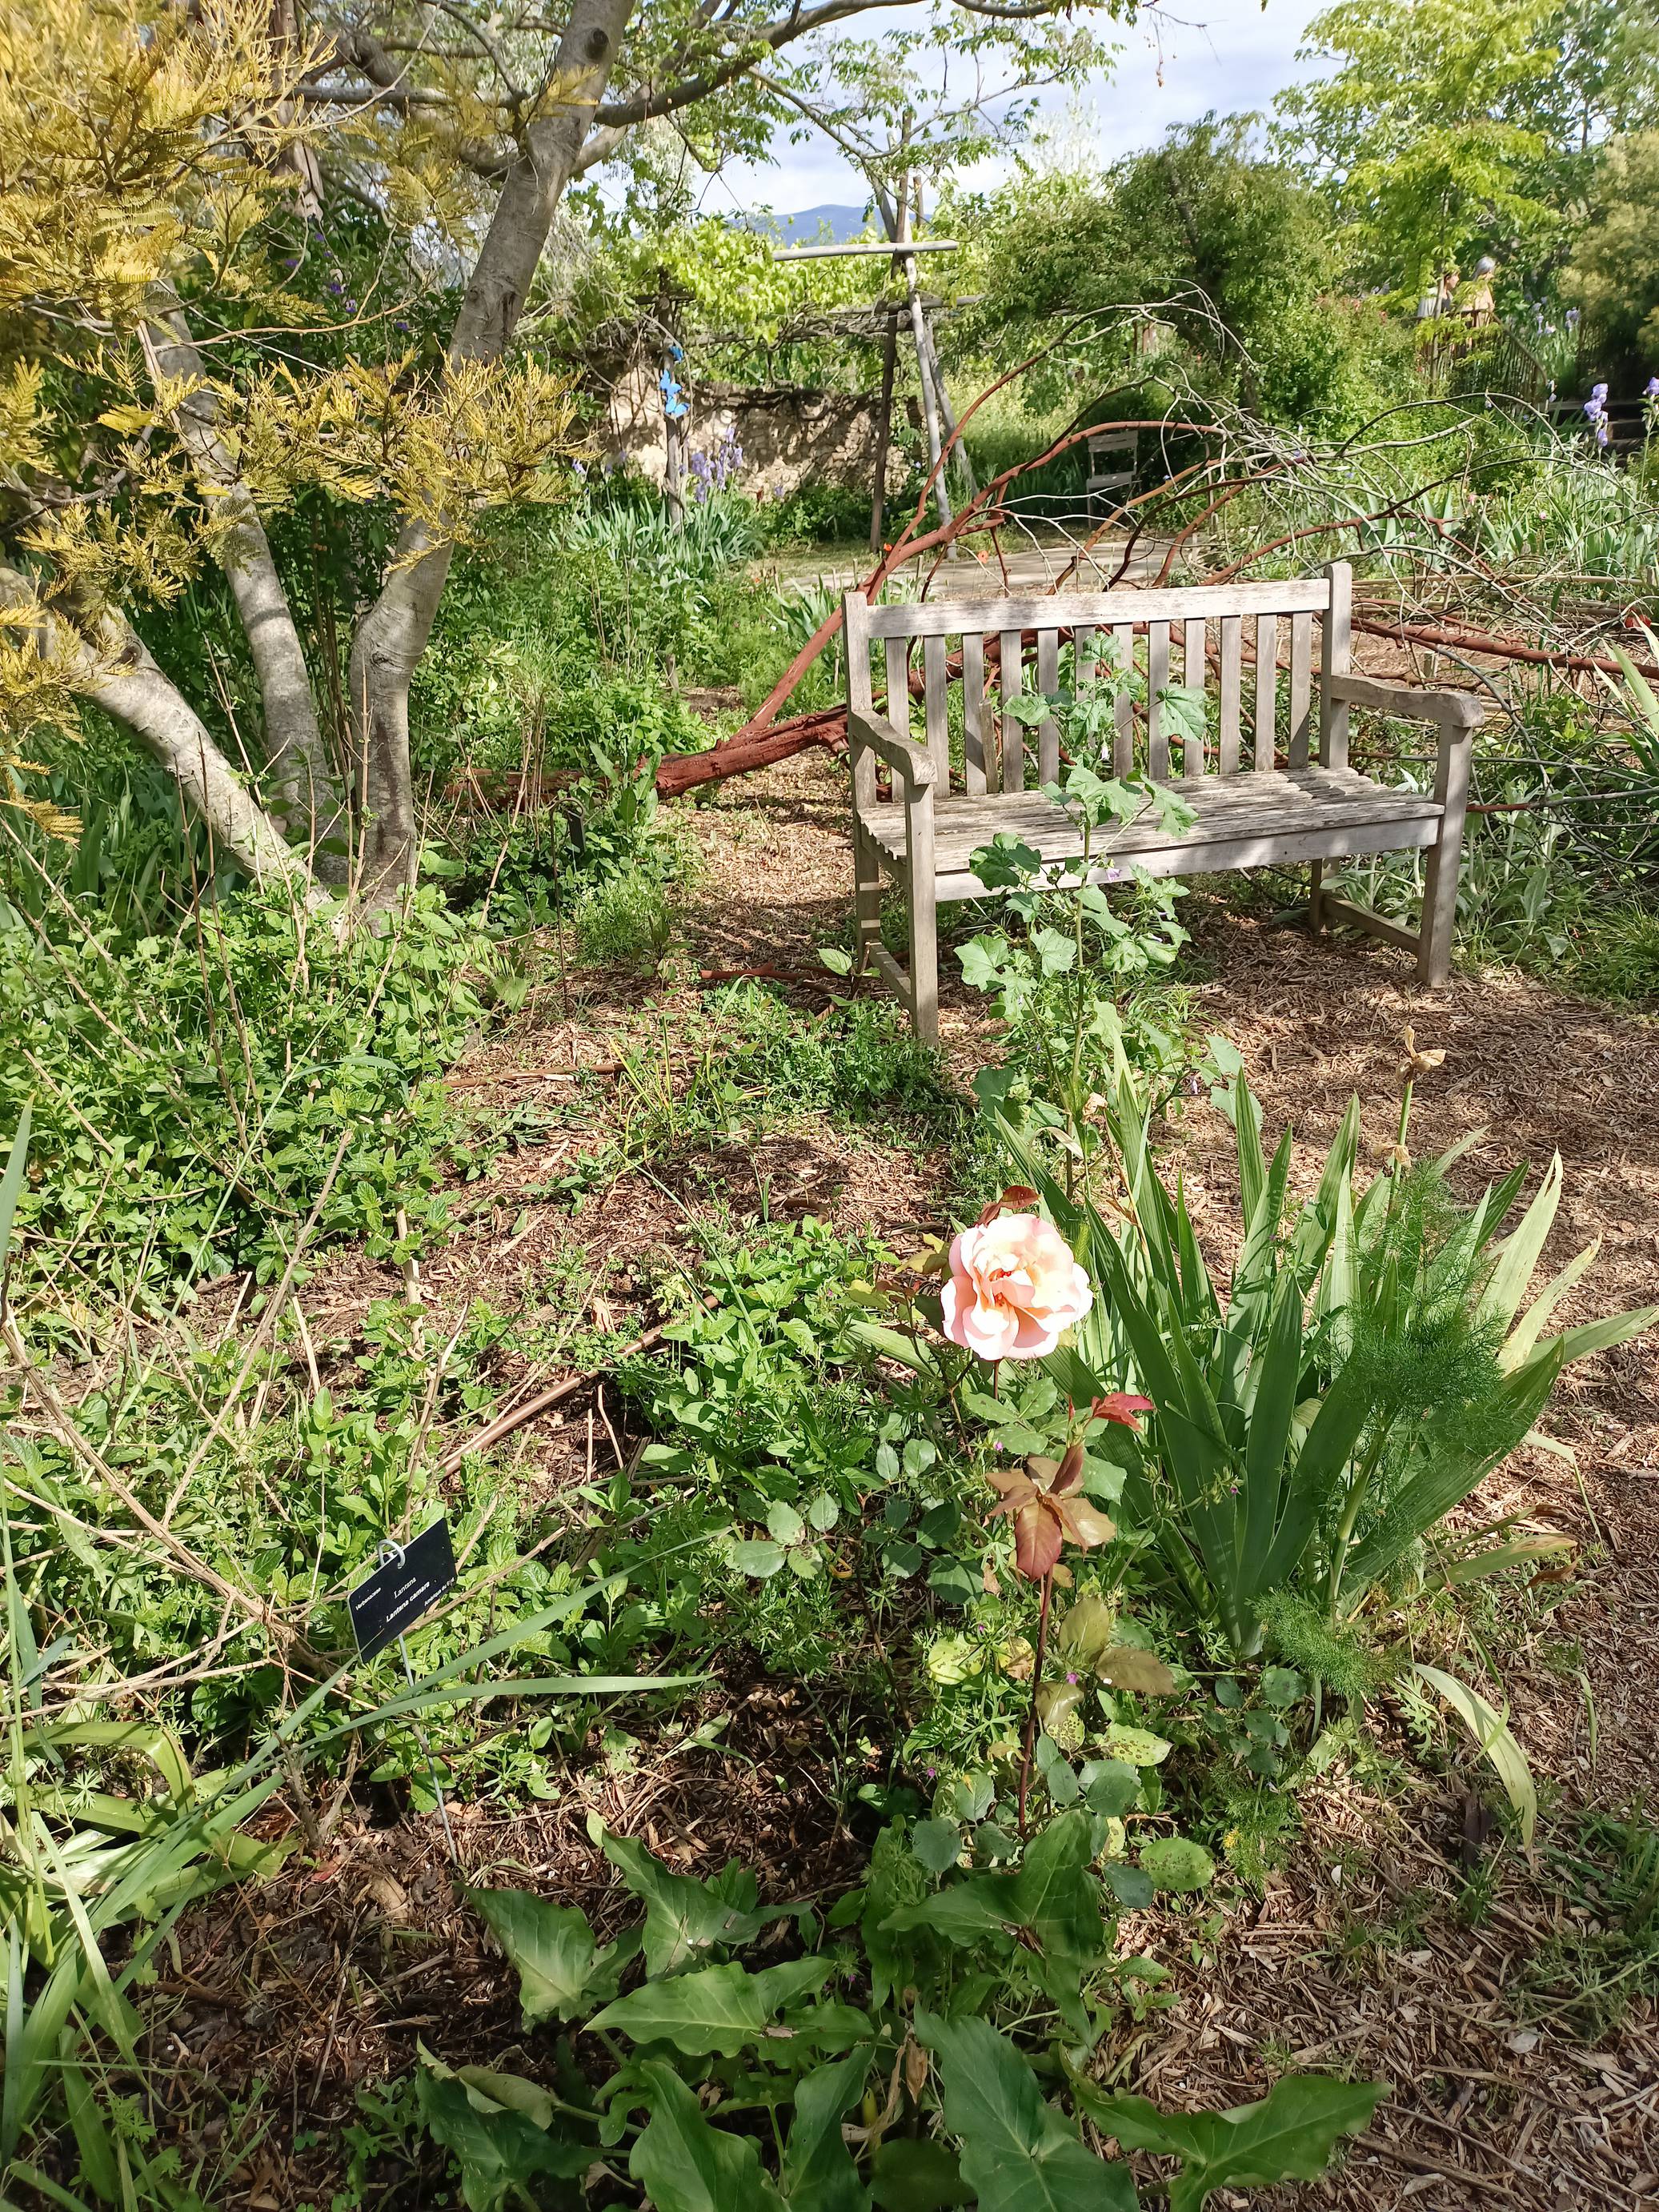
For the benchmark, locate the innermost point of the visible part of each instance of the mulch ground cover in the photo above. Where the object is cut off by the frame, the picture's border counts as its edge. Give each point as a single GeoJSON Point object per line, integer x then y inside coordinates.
{"type": "Point", "coordinates": [1397, 1939]}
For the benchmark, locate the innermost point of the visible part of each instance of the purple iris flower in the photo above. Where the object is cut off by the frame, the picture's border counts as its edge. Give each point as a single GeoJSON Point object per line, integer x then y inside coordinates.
{"type": "Point", "coordinates": [1601, 430]}
{"type": "Point", "coordinates": [1599, 391]}
{"type": "Point", "coordinates": [1651, 389]}
{"type": "Point", "coordinates": [1594, 409]}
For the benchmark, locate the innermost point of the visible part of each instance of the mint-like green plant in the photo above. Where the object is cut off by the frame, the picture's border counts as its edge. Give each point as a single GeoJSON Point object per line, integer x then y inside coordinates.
{"type": "Point", "coordinates": [1069, 960]}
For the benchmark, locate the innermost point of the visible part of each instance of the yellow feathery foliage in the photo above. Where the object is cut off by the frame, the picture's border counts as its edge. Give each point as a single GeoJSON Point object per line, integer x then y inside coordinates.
{"type": "Point", "coordinates": [131, 131]}
{"type": "Point", "coordinates": [439, 450]}
{"type": "Point", "coordinates": [24, 422]}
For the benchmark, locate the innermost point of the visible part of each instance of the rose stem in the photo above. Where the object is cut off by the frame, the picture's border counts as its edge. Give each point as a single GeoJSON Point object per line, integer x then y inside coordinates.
{"type": "Point", "coordinates": [1036, 1684]}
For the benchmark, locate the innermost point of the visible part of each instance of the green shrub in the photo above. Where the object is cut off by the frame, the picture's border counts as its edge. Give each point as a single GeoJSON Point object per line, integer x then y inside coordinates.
{"type": "Point", "coordinates": [627, 920]}
{"type": "Point", "coordinates": [191, 1091]}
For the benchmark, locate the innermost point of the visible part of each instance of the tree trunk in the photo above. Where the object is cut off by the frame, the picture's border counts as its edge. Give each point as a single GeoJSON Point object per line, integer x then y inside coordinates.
{"type": "Point", "coordinates": [307, 793]}
{"type": "Point", "coordinates": [393, 635]}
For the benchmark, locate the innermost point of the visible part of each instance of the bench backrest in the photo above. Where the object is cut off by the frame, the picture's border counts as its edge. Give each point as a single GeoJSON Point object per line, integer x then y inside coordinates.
{"type": "Point", "coordinates": [1249, 646]}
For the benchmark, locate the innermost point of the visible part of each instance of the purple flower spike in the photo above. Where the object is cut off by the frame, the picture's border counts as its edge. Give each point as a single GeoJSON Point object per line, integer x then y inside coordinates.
{"type": "Point", "coordinates": [1651, 389]}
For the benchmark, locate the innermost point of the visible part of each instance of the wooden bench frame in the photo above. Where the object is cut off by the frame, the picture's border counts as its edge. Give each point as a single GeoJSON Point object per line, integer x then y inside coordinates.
{"type": "Point", "coordinates": [1315, 810]}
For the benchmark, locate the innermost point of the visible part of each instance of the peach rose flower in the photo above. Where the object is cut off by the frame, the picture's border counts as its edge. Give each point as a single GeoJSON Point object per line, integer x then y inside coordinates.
{"type": "Point", "coordinates": [1014, 1286]}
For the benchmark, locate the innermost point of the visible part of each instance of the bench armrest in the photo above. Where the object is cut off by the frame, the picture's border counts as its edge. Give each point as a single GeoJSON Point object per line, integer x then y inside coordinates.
{"type": "Point", "coordinates": [1458, 713]}
{"type": "Point", "coordinates": [914, 767]}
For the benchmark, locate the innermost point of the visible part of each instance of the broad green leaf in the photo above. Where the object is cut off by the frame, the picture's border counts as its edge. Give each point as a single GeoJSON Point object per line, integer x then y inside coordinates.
{"type": "Point", "coordinates": [1054, 1893]}
{"type": "Point", "coordinates": [11, 1182]}
{"type": "Point", "coordinates": [1132, 1888]}
{"type": "Point", "coordinates": [1136, 1746]}
{"type": "Point", "coordinates": [1492, 1732]}
{"type": "Point", "coordinates": [1287, 2135]}
{"type": "Point", "coordinates": [717, 2009]}
{"type": "Point", "coordinates": [1127, 1666]}
{"type": "Point", "coordinates": [1018, 2153]}
{"type": "Point", "coordinates": [962, 1913]}
{"type": "Point", "coordinates": [686, 2166]}
{"type": "Point", "coordinates": [891, 1345]}
{"type": "Point", "coordinates": [499, 2151]}
{"type": "Point", "coordinates": [917, 2174]}
{"type": "Point", "coordinates": [1110, 1786]}
{"type": "Point", "coordinates": [562, 1969]}
{"type": "Point", "coordinates": [683, 1916]}
{"type": "Point", "coordinates": [817, 2173]}
{"type": "Point", "coordinates": [1175, 1862]}
{"type": "Point", "coordinates": [757, 1556]}
{"type": "Point", "coordinates": [936, 1844]}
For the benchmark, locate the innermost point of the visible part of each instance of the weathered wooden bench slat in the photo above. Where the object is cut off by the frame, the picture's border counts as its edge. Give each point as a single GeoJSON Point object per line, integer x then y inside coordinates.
{"type": "Point", "coordinates": [1290, 799]}
{"type": "Point", "coordinates": [1064, 610]}
{"type": "Point", "coordinates": [973, 712]}
{"type": "Point", "coordinates": [1283, 804]}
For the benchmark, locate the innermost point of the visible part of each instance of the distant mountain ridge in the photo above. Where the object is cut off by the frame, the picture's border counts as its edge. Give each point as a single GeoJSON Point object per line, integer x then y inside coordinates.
{"type": "Point", "coordinates": [803, 227]}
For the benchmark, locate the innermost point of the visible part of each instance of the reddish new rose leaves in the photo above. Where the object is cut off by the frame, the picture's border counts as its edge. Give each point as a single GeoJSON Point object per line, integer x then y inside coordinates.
{"type": "Point", "coordinates": [1118, 1405]}
{"type": "Point", "coordinates": [1041, 1499]}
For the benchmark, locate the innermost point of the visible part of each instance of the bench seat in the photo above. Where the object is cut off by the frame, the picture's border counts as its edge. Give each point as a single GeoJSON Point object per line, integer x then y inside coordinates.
{"type": "Point", "coordinates": [1272, 816]}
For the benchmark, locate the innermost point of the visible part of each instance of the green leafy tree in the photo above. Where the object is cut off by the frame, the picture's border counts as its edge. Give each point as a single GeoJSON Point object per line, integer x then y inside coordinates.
{"type": "Point", "coordinates": [1613, 274]}
{"type": "Point", "coordinates": [1446, 129]}
{"type": "Point", "coordinates": [161, 400]}
{"type": "Point", "coordinates": [1230, 250]}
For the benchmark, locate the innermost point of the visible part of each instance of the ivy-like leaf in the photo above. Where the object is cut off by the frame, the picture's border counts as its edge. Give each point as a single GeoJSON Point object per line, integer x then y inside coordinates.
{"type": "Point", "coordinates": [817, 2173]}
{"type": "Point", "coordinates": [499, 2150]}
{"type": "Point", "coordinates": [683, 1915]}
{"type": "Point", "coordinates": [686, 2166]}
{"type": "Point", "coordinates": [716, 2011]}
{"type": "Point", "coordinates": [1018, 2153]}
{"type": "Point", "coordinates": [1177, 1863]}
{"type": "Point", "coordinates": [562, 1969]}
{"type": "Point", "coordinates": [1288, 2136]}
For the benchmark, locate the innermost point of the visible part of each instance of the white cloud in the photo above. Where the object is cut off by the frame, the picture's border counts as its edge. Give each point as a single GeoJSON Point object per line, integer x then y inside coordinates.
{"type": "Point", "coordinates": [1230, 56]}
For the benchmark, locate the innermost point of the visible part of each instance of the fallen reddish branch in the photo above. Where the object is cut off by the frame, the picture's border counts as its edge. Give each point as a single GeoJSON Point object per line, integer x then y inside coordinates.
{"type": "Point", "coordinates": [712, 979]}
{"type": "Point", "coordinates": [1498, 648]}
{"type": "Point", "coordinates": [682, 772]}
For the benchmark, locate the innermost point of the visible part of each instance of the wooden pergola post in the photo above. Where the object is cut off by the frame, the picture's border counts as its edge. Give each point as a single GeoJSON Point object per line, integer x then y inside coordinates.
{"type": "Point", "coordinates": [884, 432]}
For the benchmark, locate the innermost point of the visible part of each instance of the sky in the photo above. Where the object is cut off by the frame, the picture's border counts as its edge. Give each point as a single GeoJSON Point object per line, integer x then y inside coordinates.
{"type": "Point", "coordinates": [1228, 54]}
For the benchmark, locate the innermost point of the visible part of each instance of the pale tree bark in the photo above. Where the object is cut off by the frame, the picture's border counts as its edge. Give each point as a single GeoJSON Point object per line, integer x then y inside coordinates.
{"type": "Point", "coordinates": [393, 635]}
{"type": "Point", "coordinates": [116, 670]}
{"type": "Point", "coordinates": [306, 793]}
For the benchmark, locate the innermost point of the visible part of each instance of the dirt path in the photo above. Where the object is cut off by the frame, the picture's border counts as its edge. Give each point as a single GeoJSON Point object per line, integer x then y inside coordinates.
{"type": "Point", "coordinates": [1378, 1949]}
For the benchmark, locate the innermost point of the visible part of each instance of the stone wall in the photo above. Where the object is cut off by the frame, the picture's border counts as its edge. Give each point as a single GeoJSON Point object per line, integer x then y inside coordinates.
{"type": "Point", "coordinates": [789, 436]}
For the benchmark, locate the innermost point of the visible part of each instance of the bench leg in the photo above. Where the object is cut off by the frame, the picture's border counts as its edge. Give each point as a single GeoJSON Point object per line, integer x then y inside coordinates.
{"type": "Point", "coordinates": [866, 897]}
{"type": "Point", "coordinates": [1434, 952]}
{"type": "Point", "coordinates": [1317, 897]}
{"type": "Point", "coordinates": [924, 957]}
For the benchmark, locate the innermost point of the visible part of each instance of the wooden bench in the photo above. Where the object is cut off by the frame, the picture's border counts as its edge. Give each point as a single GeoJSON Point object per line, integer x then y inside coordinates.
{"type": "Point", "coordinates": [1109, 450]}
{"type": "Point", "coordinates": [1262, 791]}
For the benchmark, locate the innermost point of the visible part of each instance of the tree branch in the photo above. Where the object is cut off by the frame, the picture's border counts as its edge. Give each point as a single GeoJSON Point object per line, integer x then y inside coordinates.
{"type": "Point", "coordinates": [117, 672]}
{"type": "Point", "coordinates": [309, 796]}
